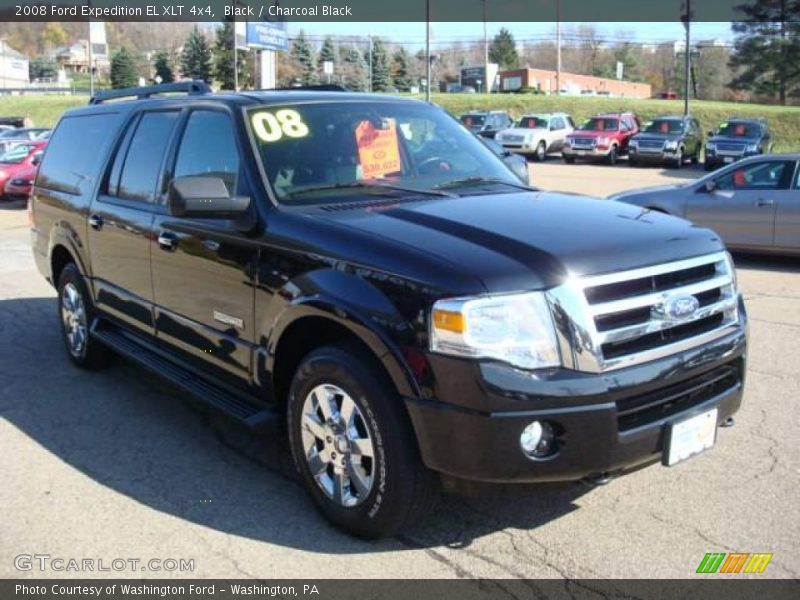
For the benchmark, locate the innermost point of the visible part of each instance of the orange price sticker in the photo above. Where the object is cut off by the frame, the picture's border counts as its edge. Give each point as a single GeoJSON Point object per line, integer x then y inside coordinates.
{"type": "Point", "coordinates": [378, 149]}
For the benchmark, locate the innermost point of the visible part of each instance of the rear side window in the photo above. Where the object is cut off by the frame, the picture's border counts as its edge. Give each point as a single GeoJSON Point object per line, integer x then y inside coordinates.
{"type": "Point", "coordinates": [198, 156]}
{"type": "Point", "coordinates": [75, 151]}
{"type": "Point", "coordinates": [142, 162]}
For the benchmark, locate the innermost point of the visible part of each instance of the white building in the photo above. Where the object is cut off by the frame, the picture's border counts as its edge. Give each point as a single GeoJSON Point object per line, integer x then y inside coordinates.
{"type": "Point", "coordinates": [13, 67]}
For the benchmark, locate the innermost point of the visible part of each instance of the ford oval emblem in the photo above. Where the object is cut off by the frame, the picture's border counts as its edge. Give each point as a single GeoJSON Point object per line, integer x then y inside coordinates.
{"type": "Point", "coordinates": [680, 307]}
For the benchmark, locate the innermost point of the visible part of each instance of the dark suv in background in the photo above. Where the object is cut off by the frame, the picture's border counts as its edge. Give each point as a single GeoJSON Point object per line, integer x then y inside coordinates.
{"type": "Point", "coordinates": [667, 140]}
{"type": "Point", "coordinates": [486, 123]}
{"type": "Point", "coordinates": [400, 302]}
{"type": "Point", "coordinates": [736, 139]}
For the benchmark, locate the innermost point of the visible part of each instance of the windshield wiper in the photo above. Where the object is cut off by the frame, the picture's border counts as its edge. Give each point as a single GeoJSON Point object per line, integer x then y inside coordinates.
{"type": "Point", "coordinates": [478, 180]}
{"type": "Point", "coordinates": [364, 185]}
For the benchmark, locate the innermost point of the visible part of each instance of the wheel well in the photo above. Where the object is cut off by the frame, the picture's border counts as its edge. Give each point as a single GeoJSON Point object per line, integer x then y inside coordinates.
{"type": "Point", "coordinates": [303, 337]}
{"type": "Point", "coordinates": [59, 258]}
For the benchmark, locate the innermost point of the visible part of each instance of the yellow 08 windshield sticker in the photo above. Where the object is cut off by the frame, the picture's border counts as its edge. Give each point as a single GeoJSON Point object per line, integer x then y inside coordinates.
{"type": "Point", "coordinates": [271, 127]}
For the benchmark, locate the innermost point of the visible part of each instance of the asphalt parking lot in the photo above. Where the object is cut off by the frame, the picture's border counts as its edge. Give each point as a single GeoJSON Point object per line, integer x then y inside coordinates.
{"type": "Point", "coordinates": [118, 464]}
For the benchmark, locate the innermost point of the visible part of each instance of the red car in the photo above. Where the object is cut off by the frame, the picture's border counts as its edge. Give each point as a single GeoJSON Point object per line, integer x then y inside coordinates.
{"type": "Point", "coordinates": [603, 136]}
{"type": "Point", "coordinates": [16, 166]}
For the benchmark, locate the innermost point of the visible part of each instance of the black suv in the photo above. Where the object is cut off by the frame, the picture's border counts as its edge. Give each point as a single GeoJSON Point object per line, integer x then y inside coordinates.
{"type": "Point", "coordinates": [365, 271]}
{"type": "Point", "coordinates": [668, 140]}
{"type": "Point", "coordinates": [486, 123]}
{"type": "Point", "coordinates": [736, 139]}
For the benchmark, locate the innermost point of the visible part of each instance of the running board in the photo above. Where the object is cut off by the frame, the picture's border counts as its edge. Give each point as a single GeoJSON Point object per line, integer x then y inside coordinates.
{"type": "Point", "coordinates": [231, 404]}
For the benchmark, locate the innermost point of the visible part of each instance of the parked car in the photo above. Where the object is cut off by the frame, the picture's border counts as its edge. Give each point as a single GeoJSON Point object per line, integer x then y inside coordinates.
{"type": "Point", "coordinates": [515, 163]}
{"type": "Point", "coordinates": [754, 204]}
{"type": "Point", "coordinates": [667, 140]}
{"type": "Point", "coordinates": [603, 136]}
{"type": "Point", "coordinates": [537, 135]}
{"type": "Point", "coordinates": [7, 144]}
{"type": "Point", "coordinates": [18, 160]}
{"type": "Point", "coordinates": [20, 184]}
{"type": "Point", "coordinates": [22, 133]}
{"type": "Point", "coordinates": [486, 123]}
{"type": "Point", "coordinates": [736, 139]}
{"type": "Point", "coordinates": [400, 301]}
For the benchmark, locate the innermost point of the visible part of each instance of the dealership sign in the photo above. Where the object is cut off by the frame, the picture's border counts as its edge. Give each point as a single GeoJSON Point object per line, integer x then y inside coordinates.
{"type": "Point", "coordinates": [267, 35]}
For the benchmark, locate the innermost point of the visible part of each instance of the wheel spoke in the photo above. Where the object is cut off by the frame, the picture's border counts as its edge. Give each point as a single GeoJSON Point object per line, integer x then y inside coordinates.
{"type": "Point", "coordinates": [346, 411]}
{"type": "Point", "coordinates": [361, 447]}
{"type": "Point", "coordinates": [323, 401]}
{"type": "Point", "coordinates": [316, 464]}
{"type": "Point", "coordinates": [359, 479]}
{"type": "Point", "coordinates": [313, 426]}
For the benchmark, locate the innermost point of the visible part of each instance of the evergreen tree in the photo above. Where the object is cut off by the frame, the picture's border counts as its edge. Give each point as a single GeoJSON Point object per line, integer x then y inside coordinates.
{"type": "Point", "coordinates": [162, 67]}
{"type": "Point", "coordinates": [767, 49]}
{"type": "Point", "coordinates": [40, 67]}
{"type": "Point", "coordinates": [355, 70]}
{"type": "Point", "coordinates": [624, 53]}
{"type": "Point", "coordinates": [196, 57]}
{"type": "Point", "coordinates": [123, 69]}
{"type": "Point", "coordinates": [402, 76]}
{"type": "Point", "coordinates": [223, 59]}
{"type": "Point", "coordinates": [503, 50]}
{"type": "Point", "coordinates": [327, 53]}
{"type": "Point", "coordinates": [303, 54]}
{"type": "Point", "coordinates": [381, 81]}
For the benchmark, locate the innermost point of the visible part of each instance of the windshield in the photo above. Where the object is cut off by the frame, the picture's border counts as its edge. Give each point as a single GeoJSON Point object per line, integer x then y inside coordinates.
{"type": "Point", "coordinates": [739, 129]}
{"type": "Point", "coordinates": [473, 120]}
{"type": "Point", "coordinates": [16, 154]}
{"type": "Point", "coordinates": [666, 126]}
{"type": "Point", "coordinates": [329, 152]}
{"type": "Point", "coordinates": [600, 124]}
{"type": "Point", "coordinates": [533, 123]}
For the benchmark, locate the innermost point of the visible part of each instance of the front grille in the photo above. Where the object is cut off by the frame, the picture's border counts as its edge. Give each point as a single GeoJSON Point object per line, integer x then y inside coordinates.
{"type": "Point", "coordinates": [513, 138]}
{"type": "Point", "coordinates": [627, 318]}
{"type": "Point", "coordinates": [732, 149]}
{"type": "Point", "coordinates": [643, 409]}
{"type": "Point", "coordinates": [651, 146]}
{"type": "Point", "coordinates": [583, 142]}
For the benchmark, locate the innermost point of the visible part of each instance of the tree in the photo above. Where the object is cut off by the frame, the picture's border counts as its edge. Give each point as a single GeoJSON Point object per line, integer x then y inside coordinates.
{"type": "Point", "coordinates": [162, 67]}
{"type": "Point", "coordinates": [503, 50]}
{"type": "Point", "coordinates": [41, 67]}
{"type": "Point", "coordinates": [53, 35]}
{"type": "Point", "coordinates": [223, 59]}
{"type": "Point", "coordinates": [624, 53]}
{"type": "Point", "coordinates": [354, 70]}
{"type": "Point", "coordinates": [303, 54]}
{"type": "Point", "coordinates": [767, 49]}
{"type": "Point", "coordinates": [196, 57]}
{"type": "Point", "coordinates": [401, 70]}
{"type": "Point", "coordinates": [327, 53]}
{"type": "Point", "coordinates": [123, 69]}
{"type": "Point", "coordinates": [381, 81]}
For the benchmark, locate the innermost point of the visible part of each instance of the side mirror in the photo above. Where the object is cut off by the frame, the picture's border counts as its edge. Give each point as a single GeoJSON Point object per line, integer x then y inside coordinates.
{"type": "Point", "coordinates": [710, 186]}
{"type": "Point", "coordinates": [204, 198]}
{"type": "Point", "coordinates": [710, 134]}
{"type": "Point", "coordinates": [35, 160]}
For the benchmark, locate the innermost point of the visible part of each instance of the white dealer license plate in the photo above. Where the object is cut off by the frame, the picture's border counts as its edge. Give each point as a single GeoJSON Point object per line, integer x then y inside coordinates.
{"type": "Point", "coordinates": [690, 437]}
{"type": "Point", "coordinates": [727, 159]}
{"type": "Point", "coordinates": [580, 152]}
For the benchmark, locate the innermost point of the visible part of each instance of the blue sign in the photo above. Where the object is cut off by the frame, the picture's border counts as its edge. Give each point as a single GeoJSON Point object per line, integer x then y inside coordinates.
{"type": "Point", "coordinates": [267, 35]}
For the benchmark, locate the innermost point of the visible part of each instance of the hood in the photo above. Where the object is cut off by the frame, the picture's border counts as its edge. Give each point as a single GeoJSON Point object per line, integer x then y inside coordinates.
{"type": "Point", "coordinates": [532, 240]}
{"type": "Point", "coordinates": [647, 191]}
{"type": "Point", "coordinates": [657, 136]}
{"type": "Point", "coordinates": [733, 138]}
{"type": "Point", "coordinates": [524, 131]}
{"type": "Point", "coordinates": [592, 134]}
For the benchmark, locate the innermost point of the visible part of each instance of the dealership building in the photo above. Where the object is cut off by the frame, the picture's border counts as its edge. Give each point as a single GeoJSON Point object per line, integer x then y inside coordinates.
{"type": "Point", "coordinates": [13, 67]}
{"type": "Point", "coordinates": [571, 83]}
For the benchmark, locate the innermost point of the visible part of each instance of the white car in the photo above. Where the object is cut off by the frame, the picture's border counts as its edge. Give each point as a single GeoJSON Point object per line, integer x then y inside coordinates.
{"type": "Point", "coordinates": [537, 135]}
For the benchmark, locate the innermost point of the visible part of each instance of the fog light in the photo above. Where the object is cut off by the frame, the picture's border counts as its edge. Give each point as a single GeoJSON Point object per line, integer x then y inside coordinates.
{"type": "Point", "coordinates": [537, 439]}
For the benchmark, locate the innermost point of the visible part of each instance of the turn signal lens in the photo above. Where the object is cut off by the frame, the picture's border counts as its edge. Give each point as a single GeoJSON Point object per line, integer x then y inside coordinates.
{"type": "Point", "coordinates": [448, 320]}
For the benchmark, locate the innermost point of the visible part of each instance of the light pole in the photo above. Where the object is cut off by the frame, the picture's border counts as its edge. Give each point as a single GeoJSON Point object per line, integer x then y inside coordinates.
{"type": "Point", "coordinates": [427, 50]}
{"type": "Point", "coordinates": [485, 49]}
{"type": "Point", "coordinates": [558, 47]}
{"type": "Point", "coordinates": [687, 19]}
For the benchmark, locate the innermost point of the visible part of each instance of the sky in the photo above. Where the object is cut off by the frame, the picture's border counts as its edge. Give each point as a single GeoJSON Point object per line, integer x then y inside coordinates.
{"type": "Point", "coordinates": [443, 32]}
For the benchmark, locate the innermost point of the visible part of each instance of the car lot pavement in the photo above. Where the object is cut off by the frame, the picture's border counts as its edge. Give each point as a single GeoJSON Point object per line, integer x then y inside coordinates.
{"type": "Point", "coordinates": [118, 464]}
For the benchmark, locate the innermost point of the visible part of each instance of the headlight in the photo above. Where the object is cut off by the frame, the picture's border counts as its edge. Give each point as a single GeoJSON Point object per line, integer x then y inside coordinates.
{"type": "Point", "coordinates": [514, 328]}
{"type": "Point", "coordinates": [603, 141]}
{"type": "Point", "coordinates": [711, 146]}
{"type": "Point", "coordinates": [634, 143]}
{"type": "Point", "coordinates": [752, 148]}
{"type": "Point", "coordinates": [671, 145]}
{"type": "Point", "coordinates": [732, 270]}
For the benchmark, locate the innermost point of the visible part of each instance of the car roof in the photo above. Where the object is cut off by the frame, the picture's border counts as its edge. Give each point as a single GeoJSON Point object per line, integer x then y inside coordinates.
{"type": "Point", "coordinates": [545, 114]}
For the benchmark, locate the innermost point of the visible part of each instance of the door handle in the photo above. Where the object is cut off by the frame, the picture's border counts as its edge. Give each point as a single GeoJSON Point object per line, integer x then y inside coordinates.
{"type": "Point", "coordinates": [96, 222]}
{"type": "Point", "coordinates": [764, 202]}
{"type": "Point", "coordinates": [168, 241]}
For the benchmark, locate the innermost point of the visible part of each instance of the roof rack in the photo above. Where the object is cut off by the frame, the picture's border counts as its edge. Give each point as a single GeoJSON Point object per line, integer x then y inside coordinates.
{"type": "Point", "coordinates": [322, 87]}
{"type": "Point", "coordinates": [192, 88]}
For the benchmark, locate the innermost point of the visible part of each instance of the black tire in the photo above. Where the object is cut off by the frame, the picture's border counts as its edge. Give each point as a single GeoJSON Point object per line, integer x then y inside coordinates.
{"type": "Point", "coordinates": [696, 158]}
{"type": "Point", "coordinates": [633, 162]}
{"type": "Point", "coordinates": [708, 166]}
{"type": "Point", "coordinates": [612, 155]}
{"type": "Point", "coordinates": [90, 354]}
{"type": "Point", "coordinates": [541, 152]}
{"type": "Point", "coordinates": [570, 160]}
{"type": "Point", "coordinates": [403, 489]}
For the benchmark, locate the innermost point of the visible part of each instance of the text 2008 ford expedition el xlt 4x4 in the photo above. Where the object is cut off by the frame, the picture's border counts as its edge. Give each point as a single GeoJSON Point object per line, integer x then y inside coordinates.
{"type": "Point", "coordinates": [366, 270]}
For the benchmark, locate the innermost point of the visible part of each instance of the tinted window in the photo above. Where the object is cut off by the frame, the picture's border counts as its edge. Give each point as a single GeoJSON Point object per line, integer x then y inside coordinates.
{"type": "Point", "coordinates": [197, 156]}
{"type": "Point", "coordinates": [74, 153]}
{"type": "Point", "coordinates": [756, 176]}
{"type": "Point", "coordinates": [558, 123]}
{"type": "Point", "coordinates": [143, 159]}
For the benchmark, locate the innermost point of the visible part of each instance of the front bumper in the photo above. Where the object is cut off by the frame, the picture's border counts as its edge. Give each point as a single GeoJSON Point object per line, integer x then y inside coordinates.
{"type": "Point", "coordinates": [588, 152]}
{"type": "Point", "coordinates": [661, 156]}
{"type": "Point", "coordinates": [607, 422]}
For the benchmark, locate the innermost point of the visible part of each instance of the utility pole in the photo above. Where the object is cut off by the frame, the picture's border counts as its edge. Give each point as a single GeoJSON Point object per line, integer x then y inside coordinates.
{"type": "Point", "coordinates": [687, 19]}
{"type": "Point", "coordinates": [370, 61]}
{"type": "Point", "coordinates": [235, 59]}
{"type": "Point", "coordinates": [427, 50]}
{"type": "Point", "coordinates": [486, 52]}
{"type": "Point", "coordinates": [91, 64]}
{"type": "Point", "coordinates": [558, 47]}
